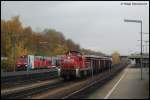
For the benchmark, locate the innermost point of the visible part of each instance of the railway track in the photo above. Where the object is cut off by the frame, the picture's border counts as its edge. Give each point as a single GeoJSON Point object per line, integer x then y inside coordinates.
{"type": "Point", "coordinates": [19, 80]}
{"type": "Point", "coordinates": [27, 90]}
{"type": "Point", "coordinates": [76, 88]}
{"type": "Point", "coordinates": [62, 89]}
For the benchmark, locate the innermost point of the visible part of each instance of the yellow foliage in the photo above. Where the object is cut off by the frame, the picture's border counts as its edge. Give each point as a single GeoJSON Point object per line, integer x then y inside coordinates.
{"type": "Point", "coordinates": [14, 25]}
{"type": "Point", "coordinates": [20, 50]}
{"type": "Point", "coordinates": [17, 40]}
{"type": "Point", "coordinates": [115, 58]}
{"type": "Point", "coordinates": [16, 52]}
{"type": "Point", "coordinates": [60, 49]}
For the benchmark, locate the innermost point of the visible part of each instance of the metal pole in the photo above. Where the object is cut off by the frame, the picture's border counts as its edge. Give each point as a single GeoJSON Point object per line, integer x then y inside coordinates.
{"type": "Point", "coordinates": [14, 55]}
{"type": "Point", "coordinates": [138, 21]}
{"type": "Point", "coordinates": [13, 41]}
{"type": "Point", "coordinates": [141, 50]}
{"type": "Point", "coordinates": [92, 70]}
{"type": "Point", "coordinates": [146, 56]}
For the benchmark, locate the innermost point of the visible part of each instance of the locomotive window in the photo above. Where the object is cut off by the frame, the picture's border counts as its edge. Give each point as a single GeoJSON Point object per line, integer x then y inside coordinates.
{"type": "Point", "coordinates": [40, 58]}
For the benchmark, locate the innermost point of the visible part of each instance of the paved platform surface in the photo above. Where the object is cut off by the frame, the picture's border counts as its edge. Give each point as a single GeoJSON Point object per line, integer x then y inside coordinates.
{"type": "Point", "coordinates": [126, 85]}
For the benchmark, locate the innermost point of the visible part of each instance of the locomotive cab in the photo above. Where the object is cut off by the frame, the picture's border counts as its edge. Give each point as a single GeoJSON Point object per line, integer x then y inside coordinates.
{"type": "Point", "coordinates": [71, 64]}
{"type": "Point", "coordinates": [21, 63]}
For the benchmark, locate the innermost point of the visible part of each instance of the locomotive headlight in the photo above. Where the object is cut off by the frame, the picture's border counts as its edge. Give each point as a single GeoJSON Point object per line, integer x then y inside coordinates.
{"type": "Point", "coordinates": [77, 73]}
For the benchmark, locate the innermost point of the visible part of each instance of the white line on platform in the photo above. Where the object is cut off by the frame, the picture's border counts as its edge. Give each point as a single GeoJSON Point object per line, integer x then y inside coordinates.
{"type": "Point", "coordinates": [110, 92]}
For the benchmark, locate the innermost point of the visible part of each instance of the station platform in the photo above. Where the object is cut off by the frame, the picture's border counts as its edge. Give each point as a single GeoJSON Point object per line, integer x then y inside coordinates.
{"type": "Point", "coordinates": [126, 85]}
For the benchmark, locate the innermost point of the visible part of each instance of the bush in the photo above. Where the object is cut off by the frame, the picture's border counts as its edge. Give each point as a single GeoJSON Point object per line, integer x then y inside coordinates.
{"type": "Point", "coordinates": [5, 66]}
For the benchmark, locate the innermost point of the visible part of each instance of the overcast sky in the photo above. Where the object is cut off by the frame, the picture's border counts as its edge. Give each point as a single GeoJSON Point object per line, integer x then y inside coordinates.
{"type": "Point", "coordinates": [96, 25]}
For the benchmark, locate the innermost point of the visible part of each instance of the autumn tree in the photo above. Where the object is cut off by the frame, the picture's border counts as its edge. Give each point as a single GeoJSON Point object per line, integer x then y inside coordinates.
{"type": "Point", "coordinates": [10, 34]}
{"type": "Point", "coordinates": [115, 58]}
{"type": "Point", "coordinates": [17, 40]}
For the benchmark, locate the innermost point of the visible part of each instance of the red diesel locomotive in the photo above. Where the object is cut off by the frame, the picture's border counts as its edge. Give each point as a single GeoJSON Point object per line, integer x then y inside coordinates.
{"type": "Point", "coordinates": [33, 62]}
{"type": "Point", "coordinates": [76, 65]}
{"type": "Point", "coordinates": [37, 62]}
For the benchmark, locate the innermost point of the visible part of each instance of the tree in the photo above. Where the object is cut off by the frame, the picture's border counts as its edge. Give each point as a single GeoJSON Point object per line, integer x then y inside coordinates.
{"type": "Point", "coordinates": [115, 58]}
{"type": "Point", "coordinates": [17, 40]}
{"type": "Point", "coordinates": [5, 39]}
{"type": "Point", "coordinates": [20, 49]}
{"type": "Point", "coordinates": [10, 33]}
{"type": "Point", "coordinates": [60, 49]}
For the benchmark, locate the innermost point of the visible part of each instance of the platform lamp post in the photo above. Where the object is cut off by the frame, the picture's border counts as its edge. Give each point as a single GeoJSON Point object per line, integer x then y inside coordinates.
{"type": "Point", "coordinates": [146, 49]}
{"type": "Point", "coordinates": [146, 41]}
{"type": "Point", "coordinates": [142, 46]}
{"type": "Point", "coordinates": [137, 21]}
{"type": "Point", "coordinates": [146, 54]}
